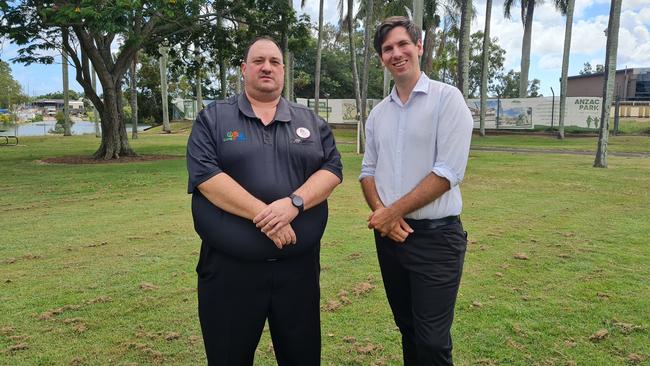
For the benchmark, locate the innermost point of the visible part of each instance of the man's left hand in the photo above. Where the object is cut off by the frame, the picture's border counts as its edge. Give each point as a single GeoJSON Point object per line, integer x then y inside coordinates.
{"type": "Point", "coordinates": [275, 216]}
{"type": "Point", "coordinates": [383, 220]}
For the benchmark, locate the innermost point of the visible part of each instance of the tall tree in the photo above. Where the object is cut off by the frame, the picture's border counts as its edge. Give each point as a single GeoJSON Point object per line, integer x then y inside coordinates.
{"type": "Point", "coordinates": [319, 51]}
{"type": "Point", "coordinates": [609, 80]}
{"type": "Point", "coordinates": [568, 11]}
{"type": "Point", "coordinates": [40, 25]}
{"type": "Point", "coordinates": [463, 47]}
{"type": "Point", "coordinates": [349, 20]}
{"type": "Point", "coordinates": [134, 99]}
{"type": "Point", "coordinates": [10, 89]}
{"type": "Point", "coordinates": [95, 26]}
{"type": "Point", "coordinates": [66, 93]}
{"type": "Point", "coordinates": [366, 71]}
{"type": "Point", "coordinates": [527, 11]}
{"type": "Point", "coordinates": [485, 66]}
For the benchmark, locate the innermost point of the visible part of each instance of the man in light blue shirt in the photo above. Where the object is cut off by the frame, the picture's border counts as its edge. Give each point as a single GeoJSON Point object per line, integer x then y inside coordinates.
{"type": "Point", "coordinates": [417, 145]}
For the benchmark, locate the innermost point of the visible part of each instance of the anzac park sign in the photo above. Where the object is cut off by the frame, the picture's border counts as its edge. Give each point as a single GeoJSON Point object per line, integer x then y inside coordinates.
{"type": "Point", "coordinates": [523, 113]}
{"type": "Point", "coordinates": [519, 113]}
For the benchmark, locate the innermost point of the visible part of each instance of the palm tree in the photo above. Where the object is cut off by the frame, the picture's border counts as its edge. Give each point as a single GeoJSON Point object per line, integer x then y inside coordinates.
{"type": "Point", "coordinates": [319, 50]}
{"type": "Point", "coordinates": [348, 20]}
{"type": "Point", "coordinates": [608, 84]}
{"type": "Point", "coordinates": [568, 10]}
{"type": "Point", "coordinates": [366, 72]}
{"type": "Point", "coordinates": [484, 66]}
{"type": "Point", "coordinates": [66, 91]}
{"type": "Point", "coordinates": [463, 47]}
{"type": "Point", "coordinates": [527, 10]}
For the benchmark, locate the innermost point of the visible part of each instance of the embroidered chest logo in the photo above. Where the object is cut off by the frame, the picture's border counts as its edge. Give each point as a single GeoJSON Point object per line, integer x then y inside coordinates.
{"type": "Point", "coordinates": [234, 136]}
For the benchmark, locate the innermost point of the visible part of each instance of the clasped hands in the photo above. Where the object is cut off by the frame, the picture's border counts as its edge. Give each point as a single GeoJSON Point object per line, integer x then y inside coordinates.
{"type": "Point", "coordinates": [275, 221]}
{"type": "Point", "coordinates": [389, 223]}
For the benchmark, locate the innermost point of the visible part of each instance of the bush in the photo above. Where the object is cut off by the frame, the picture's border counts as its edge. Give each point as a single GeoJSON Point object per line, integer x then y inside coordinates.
{"type": "Point", "coordinates": [38, 118]}
{"type": "Point", "coordinates": [60, 121]}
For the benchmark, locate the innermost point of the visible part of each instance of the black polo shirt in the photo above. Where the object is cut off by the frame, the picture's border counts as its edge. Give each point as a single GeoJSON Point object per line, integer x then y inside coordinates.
{"type": "Point", "coordinates": [270, 162]}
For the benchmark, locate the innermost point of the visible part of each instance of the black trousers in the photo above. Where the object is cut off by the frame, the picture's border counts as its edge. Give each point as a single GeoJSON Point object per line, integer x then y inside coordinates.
{"type": "Point", "coordinates": [236, 297]}
{"type": "Point", "coordinates": [421, 278]}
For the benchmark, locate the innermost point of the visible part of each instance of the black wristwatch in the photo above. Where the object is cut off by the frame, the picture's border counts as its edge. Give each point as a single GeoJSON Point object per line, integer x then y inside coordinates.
{"type": "Point", "coordinates": [297, 202]}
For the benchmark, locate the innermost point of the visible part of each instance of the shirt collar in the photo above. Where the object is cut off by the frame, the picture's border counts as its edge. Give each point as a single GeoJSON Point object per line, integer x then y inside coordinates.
{"type": "Point", "coordinates": [422, 86]}
{"type": "Point", "coordinates": [282, 112]}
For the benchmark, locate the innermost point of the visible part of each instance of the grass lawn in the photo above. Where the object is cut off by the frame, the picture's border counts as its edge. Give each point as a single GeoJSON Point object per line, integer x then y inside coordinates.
{"type": "Point", "coordinates": [97, 261]}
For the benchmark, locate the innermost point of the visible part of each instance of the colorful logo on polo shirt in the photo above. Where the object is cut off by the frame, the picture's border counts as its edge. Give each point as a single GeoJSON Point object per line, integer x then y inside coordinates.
{"type": "Point", "coordinates": [234, 136]}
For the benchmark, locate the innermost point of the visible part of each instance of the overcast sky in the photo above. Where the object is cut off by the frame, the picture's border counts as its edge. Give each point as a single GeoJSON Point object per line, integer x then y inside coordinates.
{"type": "Point", "coordinates": [588, 41]}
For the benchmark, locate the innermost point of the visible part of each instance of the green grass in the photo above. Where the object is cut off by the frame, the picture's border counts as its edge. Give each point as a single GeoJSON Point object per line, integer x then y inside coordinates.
{"type": "Point", "coordinates": [86, 240]}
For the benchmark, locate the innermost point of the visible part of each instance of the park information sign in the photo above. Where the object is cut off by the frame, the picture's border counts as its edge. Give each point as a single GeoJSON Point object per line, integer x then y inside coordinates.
{"type": "Point", "coordinates": [525, 113]}
{"type": "Point", "coordinates": [518, 113]}
{"type": "Point", "coordinates": [337, 110]}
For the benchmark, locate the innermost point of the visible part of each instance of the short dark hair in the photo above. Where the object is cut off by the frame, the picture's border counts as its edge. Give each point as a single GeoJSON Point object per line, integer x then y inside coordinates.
{"type": "Point", "coordinates": [393, 22]}
{"type": "Point", "coordinates": [261, 38]}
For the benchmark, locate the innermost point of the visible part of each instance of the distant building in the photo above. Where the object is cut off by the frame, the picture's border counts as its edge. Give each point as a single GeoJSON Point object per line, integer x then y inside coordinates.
{"type": "Point", "coordinates": [51, 106]}
{"type": "Point", "coordinates": [631, 84]}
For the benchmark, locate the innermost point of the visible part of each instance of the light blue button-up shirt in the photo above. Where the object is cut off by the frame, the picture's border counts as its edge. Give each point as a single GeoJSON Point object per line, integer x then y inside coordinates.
{"type": "Point", "coordinates": [431, 132]}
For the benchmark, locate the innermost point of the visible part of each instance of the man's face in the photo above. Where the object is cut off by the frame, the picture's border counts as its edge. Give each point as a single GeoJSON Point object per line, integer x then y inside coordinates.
{"type": "Point", "coordinates": [400, 55]}
{"type": "Point", "coordinates": [263, 69]}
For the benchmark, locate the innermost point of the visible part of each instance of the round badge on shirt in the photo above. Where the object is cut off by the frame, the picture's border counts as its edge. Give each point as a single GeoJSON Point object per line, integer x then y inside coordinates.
{"type": "Point", "coordinates": [303, 132]}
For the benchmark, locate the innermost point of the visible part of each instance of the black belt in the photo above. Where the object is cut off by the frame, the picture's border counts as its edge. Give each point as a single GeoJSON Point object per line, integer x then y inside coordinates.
{"type": "Point", "coordinates": [432, 223]}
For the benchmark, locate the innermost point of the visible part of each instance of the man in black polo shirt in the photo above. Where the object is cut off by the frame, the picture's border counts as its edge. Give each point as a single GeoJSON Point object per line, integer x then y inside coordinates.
{"type": "Point", "coordinates": [260, 171]}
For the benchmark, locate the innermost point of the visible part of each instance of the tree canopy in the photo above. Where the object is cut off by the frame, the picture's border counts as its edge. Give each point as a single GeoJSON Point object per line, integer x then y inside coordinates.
{"type": "Point", "coordinates": [11, 93]}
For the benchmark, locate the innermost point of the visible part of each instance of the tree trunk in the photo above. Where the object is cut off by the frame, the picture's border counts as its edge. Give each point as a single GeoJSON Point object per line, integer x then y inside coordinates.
{"type": "Point", "coordinates": [319, 50]}
{"type": "Point", "coordinates": [463, 47]}
{"type": "Point", "coordinates": [429, 45]}
{"type": "Point", "coordinates": [134, 100]}
{"type": "Point", "coordinates": [366, 70]}
{"type": "Point", "coordinates": [115, 141]}
{"type": "Point", "coordinates": [418, 11]}
{"type": "Point", "coordinates": [525, 49]}
{"type": "Point", "coordinates": [66, 94]}
{"type": "Point", "coordinates": [96, 118]}
{"type": "Point", "coordinates": [565, 65]}
{"type": "Point", "coordinates": [485, 65]}
{"type": "Point", "coordinates": [387, 77]}
{"type": "Point", "coordinates": [608, 84]}
{"type": "Point", "coordinates": [353, 59]}
{"type": "Point", "coordinates": [238, 84]}
{"type": "Point", "coordinates": [163, 88]}
{"type": "Point", "coordinates": [288, 87]}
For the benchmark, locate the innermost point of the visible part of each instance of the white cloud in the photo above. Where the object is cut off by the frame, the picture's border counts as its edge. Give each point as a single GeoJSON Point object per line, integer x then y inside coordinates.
{"type": "Point", "coordinates": [635, 4]}
{"type": "Point", "coordinates": [550, 62]}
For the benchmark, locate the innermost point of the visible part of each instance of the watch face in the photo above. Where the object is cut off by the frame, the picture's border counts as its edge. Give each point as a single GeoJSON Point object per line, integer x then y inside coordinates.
{"type": "Point", "coordinates": [297, 201]}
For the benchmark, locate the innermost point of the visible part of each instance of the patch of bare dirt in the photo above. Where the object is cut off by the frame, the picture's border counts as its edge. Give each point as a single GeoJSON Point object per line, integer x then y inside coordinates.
{"type": "Point", "coordinates": [332, 305]}
{"type": "Point", "coordinates": [599, 335]}
{"type": "Point", "coordinates": [146, 286]}
{"type": "Point", "coordinates": [635, 358]}
{"type": "Point", "coordinates": [83, 159]}
{"type": "Point", "coordinates": [156, 356]}
{"type": "Point", "coordinates": [362, 288]}
{"type": "Point", "coordinates": [521, 256]}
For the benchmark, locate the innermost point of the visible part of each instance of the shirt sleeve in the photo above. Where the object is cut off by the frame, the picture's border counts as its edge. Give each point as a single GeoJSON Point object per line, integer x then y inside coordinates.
{"type": "Point", "coordinates": [202, 159]}
{"type": "Point", "coordinates": [454, 136]}
{"type": "Point", "coordinates": [369, 163]}
{"type": "Point", "coordinates": [331, 155]}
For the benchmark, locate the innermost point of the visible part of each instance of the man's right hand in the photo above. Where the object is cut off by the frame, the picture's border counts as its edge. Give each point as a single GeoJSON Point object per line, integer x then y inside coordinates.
{"type": "Point", "coordinates": [400, 231]}
{"type": "Point", "coordinates": [284, 236]}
